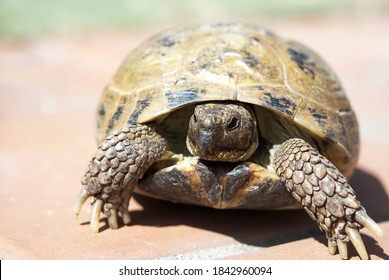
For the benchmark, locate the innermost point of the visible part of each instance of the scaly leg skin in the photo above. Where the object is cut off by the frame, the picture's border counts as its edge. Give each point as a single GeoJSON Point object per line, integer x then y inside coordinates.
{"type": "Point", "coordinates": [324, 193]}
{"type": "Point", "coordinates": [113, 172]}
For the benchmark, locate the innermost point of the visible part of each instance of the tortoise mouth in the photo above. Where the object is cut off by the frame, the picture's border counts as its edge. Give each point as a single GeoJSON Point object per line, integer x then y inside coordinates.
{"type": "Point", "coordinates": [220, 154]}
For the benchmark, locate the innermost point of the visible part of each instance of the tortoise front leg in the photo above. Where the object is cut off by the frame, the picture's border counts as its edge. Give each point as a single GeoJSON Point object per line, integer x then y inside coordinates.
{"type": "Point", "coordinates": [324, 193]}
{"type": "Point", "coordinates": [113, 172]}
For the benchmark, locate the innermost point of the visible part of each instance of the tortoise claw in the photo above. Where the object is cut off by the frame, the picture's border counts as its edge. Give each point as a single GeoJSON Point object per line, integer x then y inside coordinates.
{"type": "Point", "coordinates": [80, 200]}
{"type": "Point", "coordinates": [356, 239]}
{"type": "Point", "coordinates": [95, 215]}
{"type": "Point", "coordinates": [342, 246]}
{"type": "Point", "coordinates": [331, 248]}
{"type": "Point", "coordinates": [364, 219]}
{"type": "Point", "coordinates": [113, 218]}
{"type": "Point", "coordinates": [126, 217]}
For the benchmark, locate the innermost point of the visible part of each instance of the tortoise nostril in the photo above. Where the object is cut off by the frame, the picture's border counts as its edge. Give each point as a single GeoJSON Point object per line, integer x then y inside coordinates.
{"type": "Point", "coordinates": [217, 119]}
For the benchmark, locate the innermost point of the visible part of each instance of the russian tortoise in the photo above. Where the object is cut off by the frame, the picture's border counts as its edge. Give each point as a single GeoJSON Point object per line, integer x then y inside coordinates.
{"type": "Point", "coordinates": [228, 115]}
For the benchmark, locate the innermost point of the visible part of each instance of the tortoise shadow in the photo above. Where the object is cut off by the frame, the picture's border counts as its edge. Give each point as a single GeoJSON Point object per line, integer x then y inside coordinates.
{"type": "Point", "coordinates": [263, 228]}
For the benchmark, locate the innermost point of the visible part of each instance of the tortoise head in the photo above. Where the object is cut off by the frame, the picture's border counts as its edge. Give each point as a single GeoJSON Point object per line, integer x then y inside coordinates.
{"type": "Point", "coordinates": [222, 132]}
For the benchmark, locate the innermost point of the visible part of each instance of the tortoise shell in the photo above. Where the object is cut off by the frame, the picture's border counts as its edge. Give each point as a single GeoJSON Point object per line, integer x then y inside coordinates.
{"type": "Point", "coordinates": [293, 91]}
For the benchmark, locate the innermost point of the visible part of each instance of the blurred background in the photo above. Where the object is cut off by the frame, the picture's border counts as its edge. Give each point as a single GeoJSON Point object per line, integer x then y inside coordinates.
{"type": "Point", "coordinates": [29, 18]}
{"type": "Point", "coordinates": [56, 56]}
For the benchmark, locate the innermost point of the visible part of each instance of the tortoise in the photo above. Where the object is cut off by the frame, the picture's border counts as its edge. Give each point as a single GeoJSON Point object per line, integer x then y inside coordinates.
{"type": "Point", "coordinates": [228, 115]}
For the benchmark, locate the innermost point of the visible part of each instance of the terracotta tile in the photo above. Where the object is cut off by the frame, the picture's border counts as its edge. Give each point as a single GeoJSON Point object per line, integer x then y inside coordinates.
{"type": "Point", "coordinates": [48, 93]}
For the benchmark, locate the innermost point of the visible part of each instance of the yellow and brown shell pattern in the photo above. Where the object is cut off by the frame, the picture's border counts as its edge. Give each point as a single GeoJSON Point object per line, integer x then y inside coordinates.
{"type": "Point", "coordinates": [293, 91]}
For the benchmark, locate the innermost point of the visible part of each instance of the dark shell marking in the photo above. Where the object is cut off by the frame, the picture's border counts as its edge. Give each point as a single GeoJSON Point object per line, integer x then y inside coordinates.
{"type": "Point", "coordinates": [167, 41]}
{"type": "Point", "coordinates": [116, 116]}
{"type": "Point", "coordinates": [182, 97]}
{"type": "Point", "coordinates": [281, 104]}
{"type": "Point", "coordinates": [140, 106]}
{"type": "Point", "coordinates": [302, 60]}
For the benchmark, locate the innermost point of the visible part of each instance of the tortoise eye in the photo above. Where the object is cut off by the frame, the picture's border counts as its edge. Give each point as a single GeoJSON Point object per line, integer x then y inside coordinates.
{"type": "Point", "coordinates": [233, 124]}
{"type": "Point", "coordinates": [194, 118]}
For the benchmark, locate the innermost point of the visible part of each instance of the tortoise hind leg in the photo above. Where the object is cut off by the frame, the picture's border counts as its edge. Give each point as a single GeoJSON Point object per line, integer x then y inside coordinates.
{"type": "Point", "coordinates": [113, 172]}
{"type": "Point", "coordinates": [325, 195]}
